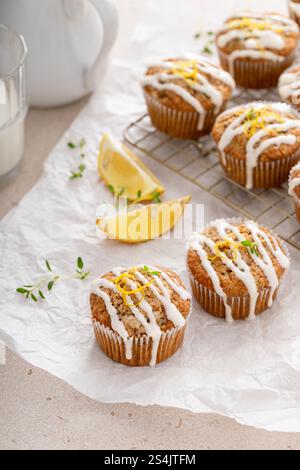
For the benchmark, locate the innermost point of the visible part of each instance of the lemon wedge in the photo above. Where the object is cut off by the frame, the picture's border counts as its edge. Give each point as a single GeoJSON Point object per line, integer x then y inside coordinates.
{"type": "Point", "coordinates": [144, 222]}
{"type": "Point", "coordinates": [124, 173]}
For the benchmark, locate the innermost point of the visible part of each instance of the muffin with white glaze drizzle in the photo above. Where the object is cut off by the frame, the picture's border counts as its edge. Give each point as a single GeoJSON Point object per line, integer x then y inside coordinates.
{"type": "Point", "coordinates": [139, 314]}
{"type": "Point", "coordinates": [294, 188]}
{"type": "Point", "coordinates": [257, 47]}
{"type": "Point", "coordinates": [185, 95]}
{"type": "Point", "coordinates": [294, 9]}
{"type": "Point", "coordinates": [235, 268]}
{"type": "Point", "coordinates": [258, 143]}
{"type": "Point", "coordinates": [289, 85]}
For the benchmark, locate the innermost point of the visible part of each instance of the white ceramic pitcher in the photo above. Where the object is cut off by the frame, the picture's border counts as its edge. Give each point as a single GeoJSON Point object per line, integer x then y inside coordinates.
{"type": "Point", "coordinates": [68, 44]}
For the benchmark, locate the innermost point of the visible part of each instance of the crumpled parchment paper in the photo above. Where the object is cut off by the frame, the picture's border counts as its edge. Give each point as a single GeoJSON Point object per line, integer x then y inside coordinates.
{"type": "Point", "coordinates": [249, 371]}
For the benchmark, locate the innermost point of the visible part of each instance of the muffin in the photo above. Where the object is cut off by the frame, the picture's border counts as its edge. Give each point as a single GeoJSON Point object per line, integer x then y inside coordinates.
{"type": "Point", "coordinates": [235, 268]}
{"type": "Point", "coordinates": [289, 85]}
{"type": "Point", "coordinates": [294, 188]}
{"type": "Point", "coordinates": [257, 47]}
{"type": "Point", "coordinates": [294, 9]}
{"type": "Point", "coordinates": [139, 314]}
{"type": "Point", "coordinates": [185, 95]}
{"type": "Point", "coordinates": [258, 143]}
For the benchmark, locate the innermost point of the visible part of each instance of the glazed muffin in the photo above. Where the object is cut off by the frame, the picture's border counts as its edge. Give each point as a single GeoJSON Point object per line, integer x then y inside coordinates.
{"type": "Point", "coordinates": [139, 314]}
{"type": "Point", "coordinates": [258, 143]}
{"type": "Point", "coordinates": [185, 95]}
{"type": "Point", "coordinates": [257, 47]}
{"type": "Point", "coordinates": [289, 86]}
{"type": "Point", "coordinates": [235, 268]}
{"type": "Point", "coordinates": [294, 9]}
{"type": "Point", "coordinates": [294, 188]}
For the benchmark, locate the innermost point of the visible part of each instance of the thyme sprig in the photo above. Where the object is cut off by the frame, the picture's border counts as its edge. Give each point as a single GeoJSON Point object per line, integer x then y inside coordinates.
{"type": "Point", "coordinates": [36, 291]}
{"type": "Point", "coordinates": [155, 197]}
{"type": "Point", "coordinates": [252, 246]}
{"type": "Point", "coordinates": [147, 270]}
{"type": "Point", "coordinates": [78, 172]}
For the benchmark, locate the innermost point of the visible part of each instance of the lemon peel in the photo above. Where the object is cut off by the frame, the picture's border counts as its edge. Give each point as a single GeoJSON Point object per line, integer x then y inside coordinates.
{"type": "Point", "coordinates": [120, 283]}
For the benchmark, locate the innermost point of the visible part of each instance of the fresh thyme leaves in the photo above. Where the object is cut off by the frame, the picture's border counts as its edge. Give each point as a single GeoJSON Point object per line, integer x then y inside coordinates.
{"type": "Point", "coordinates": [252, 247]}
{"type": "Point", "coordinates": [48, 266]}
{"type": "Point", "coordinates": [207, 39]}
{"type": "Point", "coordinates": [36, 291]}
{"type": "Point", "coordinates": [80, 144]}
{"type": "Point", "coordinates": [207, 50]}
{"type": "Point", "coordinates": [112, 189]}
{"type": "Point", "coordinates": [147, 270]}
{"type": "Point", "coordinates": [79, 173]}
{"type": "Point", "coordinates": [155, 197]}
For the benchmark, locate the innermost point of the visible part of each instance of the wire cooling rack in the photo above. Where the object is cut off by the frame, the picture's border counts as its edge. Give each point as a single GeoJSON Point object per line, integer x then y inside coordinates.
{"type": "Point", "coordinates": [198, 162]}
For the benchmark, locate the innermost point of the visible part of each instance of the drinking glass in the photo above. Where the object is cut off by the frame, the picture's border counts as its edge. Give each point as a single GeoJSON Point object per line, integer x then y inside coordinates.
{"type": "Point", "coordinates": [13, 99]}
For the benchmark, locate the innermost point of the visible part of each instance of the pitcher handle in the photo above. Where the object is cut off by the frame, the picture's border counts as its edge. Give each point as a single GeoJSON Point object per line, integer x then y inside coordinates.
{"type": "Point", "coordinates": [109, 17]}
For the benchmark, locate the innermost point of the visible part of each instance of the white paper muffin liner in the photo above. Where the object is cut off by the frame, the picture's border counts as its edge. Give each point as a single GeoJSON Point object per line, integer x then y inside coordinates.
{"type": "Point", "coordinates": [180, 124]}
{"type": "Point", "coordinates": [265, 175]}
{"type": "Point", "coordinates": [255, 73]}
{"type": "Point", "coordinates": [213, 303]}
{"type": "Point", "coordinates": [141, 346]}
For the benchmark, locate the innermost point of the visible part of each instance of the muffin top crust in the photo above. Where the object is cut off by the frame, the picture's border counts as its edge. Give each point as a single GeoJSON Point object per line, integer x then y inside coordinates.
{"type": "Point", "coordinates": [294, 182]}
{"type": "Point", "coordinates": [262, 35]}
{"type": "Point", "coordinates": [139, 301]}
{"type": "Point", "coordinates": [237, 258]}
{"type": "Point", "coordinates": [289, 85]}
{"type": "Point", "coordinates": [257, 132]}
{"type": "Point", "coordinates": [189, 83]}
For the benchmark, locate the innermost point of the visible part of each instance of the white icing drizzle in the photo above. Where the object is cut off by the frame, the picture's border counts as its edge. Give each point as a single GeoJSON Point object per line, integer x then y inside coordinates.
{"type": "Point", "coordinates": [160, 81]}
{"type": "Point", "coordinates": [294, 181]}
{"type": "Point", "coordinates": [257, 41]}
{"type": "Point", "coordinates": [289, 85]}
{"type": "Point", "coordinates": [238, 266]}
{"type": "Point", "coordinates": [116, 323]}
{"type": "Point", "coordinates": [295, 7]}
{"type": "Point", "coordinates": [255, 147]}
{"type": "Point", "coordinates": [149, 323]}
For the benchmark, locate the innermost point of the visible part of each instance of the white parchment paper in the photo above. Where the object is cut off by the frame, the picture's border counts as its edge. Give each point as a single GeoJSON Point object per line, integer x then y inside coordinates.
{"type": "Point", "coordinates": [249, 371]}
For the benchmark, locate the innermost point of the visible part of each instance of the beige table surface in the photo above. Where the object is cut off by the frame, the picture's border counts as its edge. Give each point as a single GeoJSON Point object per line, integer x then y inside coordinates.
{"type": "Point", "coordinates": [39, 411]}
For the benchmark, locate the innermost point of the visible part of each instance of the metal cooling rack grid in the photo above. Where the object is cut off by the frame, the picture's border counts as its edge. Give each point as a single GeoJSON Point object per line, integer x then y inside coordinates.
{"type": "Point", "coordinates": [198, 162]}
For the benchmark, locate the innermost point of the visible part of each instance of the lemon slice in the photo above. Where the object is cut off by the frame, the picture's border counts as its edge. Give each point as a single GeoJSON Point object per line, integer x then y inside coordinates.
{"type": "Point", "coordinates": [124, 172]}
{"type": "Point", "coordinates": [143, 223]}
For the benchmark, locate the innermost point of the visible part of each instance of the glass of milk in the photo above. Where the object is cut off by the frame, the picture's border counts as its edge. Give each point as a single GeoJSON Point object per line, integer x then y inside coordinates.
{"type": "Point", "coordinates": [13, 99]}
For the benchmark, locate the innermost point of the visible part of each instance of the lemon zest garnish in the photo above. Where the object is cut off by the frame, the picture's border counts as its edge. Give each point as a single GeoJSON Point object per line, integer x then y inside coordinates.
{"type": "Point", "coordinates": [252, 25]}
{"type": "Point", "coordinates": [188, 70]}
{"type": "Point", "coordinates": [120, 283]}
{"type": "Point", "coordinates": [229, 244]}
{"type": "Point", "coordinates": [257, 119]}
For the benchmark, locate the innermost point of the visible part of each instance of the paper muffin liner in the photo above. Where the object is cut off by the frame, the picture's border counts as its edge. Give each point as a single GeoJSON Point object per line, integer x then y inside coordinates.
{"type": "Point", "coordinates": [255, 73]}
{"type": "Point", "coordinates": [180, 124]}
{"type": "Point", "coordinates": [213, 303]}
{"type": "Point", "coordinates": [265, 175]}
{"type": "Point", "coordinates": [141, 346]}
